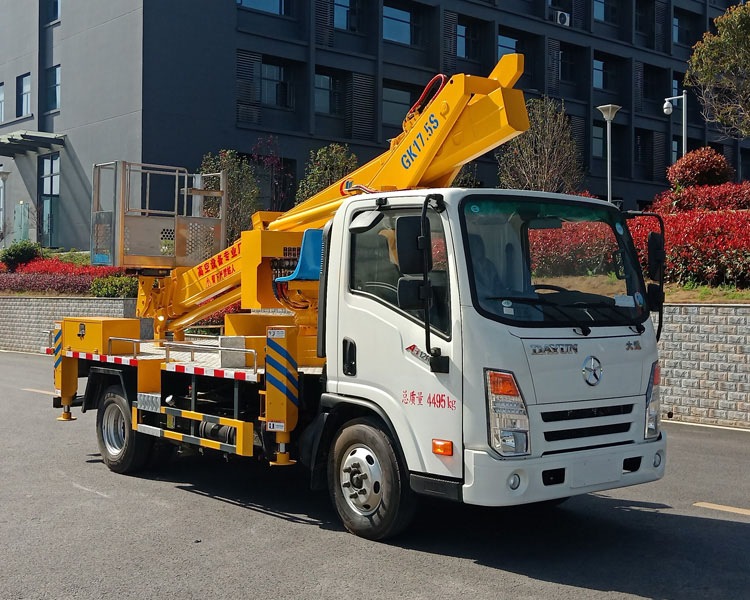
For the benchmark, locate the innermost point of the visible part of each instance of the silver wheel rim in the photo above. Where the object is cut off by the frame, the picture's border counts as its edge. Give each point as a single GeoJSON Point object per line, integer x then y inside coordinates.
{"type": "Point", "coordinates": [361, 479]}
{"type": "Point", "coordinates": [113, 430]}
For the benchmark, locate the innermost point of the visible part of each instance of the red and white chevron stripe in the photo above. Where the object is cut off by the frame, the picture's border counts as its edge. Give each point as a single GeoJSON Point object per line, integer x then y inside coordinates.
{"type": "Point", "coordinates": [209, 372]}
{"type": "Point", "coordinates": [118, 360]}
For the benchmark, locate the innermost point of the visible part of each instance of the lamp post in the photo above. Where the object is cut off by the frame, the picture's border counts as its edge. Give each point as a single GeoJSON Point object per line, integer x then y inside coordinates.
{"type": "Point", "coordinates": [608, 112]}
{"type": "Point", "coordinates": [668, 111]}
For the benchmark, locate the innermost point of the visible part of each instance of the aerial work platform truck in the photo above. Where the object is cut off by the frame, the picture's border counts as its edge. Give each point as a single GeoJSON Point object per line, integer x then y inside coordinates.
{"type": "Point", "coordinates": [398, 337]}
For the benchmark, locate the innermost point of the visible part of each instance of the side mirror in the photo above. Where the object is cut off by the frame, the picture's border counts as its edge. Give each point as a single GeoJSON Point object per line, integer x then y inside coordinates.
{"type": "Point", "coordinates": [656, 255]}
{"type": "Point", "coordinates": [411, 293]}
{"type": "Point", "coordinates": [409, 244]}
{"type": "Point", "coordinates": [654, 296]}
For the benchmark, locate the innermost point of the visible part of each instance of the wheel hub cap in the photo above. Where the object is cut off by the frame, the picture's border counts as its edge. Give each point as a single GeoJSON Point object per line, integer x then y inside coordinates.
{"type": "Point", "coordinates": [113, 430]}
{"type": "Point", "coordinates": [361, 479]}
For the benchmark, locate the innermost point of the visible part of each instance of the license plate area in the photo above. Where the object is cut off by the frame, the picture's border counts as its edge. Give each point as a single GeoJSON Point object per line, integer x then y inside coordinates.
{"type": "Point", "coordinates": [595, 471]}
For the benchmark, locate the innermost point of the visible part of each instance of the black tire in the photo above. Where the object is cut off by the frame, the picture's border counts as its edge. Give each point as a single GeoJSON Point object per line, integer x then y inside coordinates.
{"type": "Point", "coordinates": [123, 450]}
{"type": "Point", "coordinates": [387, 504]}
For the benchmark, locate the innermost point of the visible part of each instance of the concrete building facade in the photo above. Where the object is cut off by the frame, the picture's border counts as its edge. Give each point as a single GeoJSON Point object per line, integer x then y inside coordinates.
{"type": "Point", "coordinates": [165, 82]}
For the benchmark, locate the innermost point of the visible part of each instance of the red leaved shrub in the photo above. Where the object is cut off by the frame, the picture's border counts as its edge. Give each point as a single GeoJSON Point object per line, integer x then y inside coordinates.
{"type": "Point", "coordinates": [217, 318]}
{"type": "Point", "coordinates": [55, 266]}
{"type": "Point", "coordinates": [575, 249]}
{"type": "Point", "coordinates": [703, 247]}
{"type": "Point", "coordinates": [46, 282]}
{"type": "Point", "coordinates": [729, 196]}
{"type": "Point", "coordinates": [703, 166]}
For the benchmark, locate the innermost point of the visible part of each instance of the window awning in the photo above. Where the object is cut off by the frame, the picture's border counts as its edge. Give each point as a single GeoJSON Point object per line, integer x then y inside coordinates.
{"type": "Point", "coordinates": [20, 142]}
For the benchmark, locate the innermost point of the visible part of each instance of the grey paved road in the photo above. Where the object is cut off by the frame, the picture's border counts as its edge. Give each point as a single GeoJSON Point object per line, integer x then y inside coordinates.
{"type": "Point", "coordinates": [208, 529]}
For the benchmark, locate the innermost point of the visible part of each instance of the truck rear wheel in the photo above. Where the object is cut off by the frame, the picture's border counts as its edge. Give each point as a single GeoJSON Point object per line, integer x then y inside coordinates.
{"type": "Point", "coordinates": [369, 486]}
{"type": "Point", "coordinates": [123, 450]}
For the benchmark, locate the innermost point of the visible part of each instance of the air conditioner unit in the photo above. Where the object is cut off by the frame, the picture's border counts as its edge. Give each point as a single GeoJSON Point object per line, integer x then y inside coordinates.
{"type": "Point", "coordinates": [562, 18]}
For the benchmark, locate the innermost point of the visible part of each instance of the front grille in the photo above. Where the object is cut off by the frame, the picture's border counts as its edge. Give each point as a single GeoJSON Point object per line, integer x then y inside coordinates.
{"type": "Point", "coordinates": [596, 424]}
{"type": "Point", "coordinates": [572, 434]}
{"type": "Point", "coordinates": [587, 413]}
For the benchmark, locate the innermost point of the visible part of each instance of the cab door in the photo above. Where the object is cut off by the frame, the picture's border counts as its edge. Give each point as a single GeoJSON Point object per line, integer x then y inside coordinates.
{"type": "Point", "coordinates": [381, 354]}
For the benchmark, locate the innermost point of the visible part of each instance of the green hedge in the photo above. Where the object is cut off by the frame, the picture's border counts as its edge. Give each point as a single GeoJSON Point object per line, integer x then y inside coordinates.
{"type": "Point", "coordinates": [115, 286]}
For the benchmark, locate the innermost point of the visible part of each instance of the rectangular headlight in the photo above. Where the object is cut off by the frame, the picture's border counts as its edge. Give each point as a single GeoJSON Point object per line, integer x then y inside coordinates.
{"type": "Point", "coordinates": [508, 417]}
{"type": "Point", "coordinates": [653, 409]}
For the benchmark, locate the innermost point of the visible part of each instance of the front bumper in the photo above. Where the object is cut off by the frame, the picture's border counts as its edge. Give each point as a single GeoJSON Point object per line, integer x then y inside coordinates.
{"type": "Point", "coordinates": [487, 477]}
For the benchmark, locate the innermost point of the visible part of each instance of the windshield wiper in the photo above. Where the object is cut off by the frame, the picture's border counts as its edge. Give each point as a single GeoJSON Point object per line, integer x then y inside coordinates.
{"type": "Point", "coordinates": [599, 305]}
{"type": "Point", "coordinates": [533, 302]}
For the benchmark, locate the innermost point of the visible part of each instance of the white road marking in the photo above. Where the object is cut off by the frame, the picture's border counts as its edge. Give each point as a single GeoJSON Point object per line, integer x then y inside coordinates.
{"type": "Point", "coordinates": [38, 391]}
{"type": "Point", "coordinates": [85, 489]}
{"type": "Point", "coordinates": [721, 507]}
{"type": "Point", "coordinates": [703, 425]}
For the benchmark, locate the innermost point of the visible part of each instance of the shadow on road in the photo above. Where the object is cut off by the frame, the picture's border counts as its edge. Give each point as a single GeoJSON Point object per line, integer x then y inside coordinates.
{"type": "Point", "coordinates": [591, 542]}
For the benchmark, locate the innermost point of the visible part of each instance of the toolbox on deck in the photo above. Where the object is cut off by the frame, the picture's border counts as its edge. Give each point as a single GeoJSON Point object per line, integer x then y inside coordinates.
{"type": "Point", "coordinates": [90, 334]}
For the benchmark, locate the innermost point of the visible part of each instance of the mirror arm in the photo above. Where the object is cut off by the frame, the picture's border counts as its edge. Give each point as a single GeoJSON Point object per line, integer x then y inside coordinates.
{"type": "Point", "coordinates": [630, 214]}
{"type": "Point", "coordinates": [438, 363]}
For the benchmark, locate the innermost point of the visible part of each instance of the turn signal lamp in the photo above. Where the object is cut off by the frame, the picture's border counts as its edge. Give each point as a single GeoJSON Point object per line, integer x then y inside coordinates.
{"type": "Point", "coordinates": [442, 447]}
{"type": "Point", "coordinates": [653, 409]}
{"type": "Point", "coordinates": [502, 384]}
{"type": "Point", "coordinates": [508, 416]}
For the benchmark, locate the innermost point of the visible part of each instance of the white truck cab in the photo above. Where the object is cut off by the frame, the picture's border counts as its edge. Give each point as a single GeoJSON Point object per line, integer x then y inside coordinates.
{"type": "Point", "coordinates": [537, 376]}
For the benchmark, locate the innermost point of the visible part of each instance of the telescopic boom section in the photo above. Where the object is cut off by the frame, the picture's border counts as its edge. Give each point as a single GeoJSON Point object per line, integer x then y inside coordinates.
{"type": "Point", "coordinates": [466, 117]}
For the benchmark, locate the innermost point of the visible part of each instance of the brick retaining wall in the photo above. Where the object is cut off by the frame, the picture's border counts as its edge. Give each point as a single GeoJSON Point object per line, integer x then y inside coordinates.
{"type": "Point", "coordinates": [704, 350]}
{"type": "Point", "coordinates": [24, 318]}
{"type": "Point", "coordinates": [705, 358]}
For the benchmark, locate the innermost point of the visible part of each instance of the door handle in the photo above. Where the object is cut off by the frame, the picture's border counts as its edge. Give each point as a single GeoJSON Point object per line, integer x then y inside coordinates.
{"type": "Point", "coordinates": [350, 357]}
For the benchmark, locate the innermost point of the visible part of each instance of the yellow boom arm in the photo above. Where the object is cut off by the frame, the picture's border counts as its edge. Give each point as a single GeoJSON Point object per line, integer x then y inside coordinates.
{"type": "Point", "coordinates": [466, 118]}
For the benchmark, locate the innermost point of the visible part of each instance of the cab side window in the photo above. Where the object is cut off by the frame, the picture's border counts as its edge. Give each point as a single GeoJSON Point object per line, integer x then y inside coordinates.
{"type": "Point", "coordinates": [375, 271]}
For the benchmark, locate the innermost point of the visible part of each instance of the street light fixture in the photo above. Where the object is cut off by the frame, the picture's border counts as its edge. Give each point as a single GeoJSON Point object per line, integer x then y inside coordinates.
{"type": "Point", "coordinates": [668, 111]}
{"type": "Point", "coordinates": [608, 112]}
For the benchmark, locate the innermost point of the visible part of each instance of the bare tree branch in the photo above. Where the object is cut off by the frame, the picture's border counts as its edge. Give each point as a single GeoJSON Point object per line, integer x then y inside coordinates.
{"type": "Point", "coordinates": [545, 157]}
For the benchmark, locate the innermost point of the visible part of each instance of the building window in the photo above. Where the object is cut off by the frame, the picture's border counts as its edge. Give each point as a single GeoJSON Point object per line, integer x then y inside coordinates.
{"type": "Point", "coordinates": [50, 174]}
{"type": "Point", "coordinates": [51, 10]}
{"type": "Point", "coordinates": [275, 89]}
{"type": "Point", "coordinates": [654, 83]}
{"type": "Point", "coordinates": [328, 96]}
{"type": "Point", "coordinates": [49, 188]}
{"type": "Point", "coordinates": [23, 95]}
{"type": "Point", "coordinates": [604, 77]}
{"type": "Point", "coordinates": [643, 153]}
{"type": "Point", "coordinates": [52, 79]}
{"type": "Point", "coordinates": [506, 45]}
{"type": "Point", "coordinates": [568, 63]}
{"type": "Point", "coordinates": [401, 25]}
{"type": "Point", "coordinates": [467, 40]}
{"type": "Point", "coordinates": [345, 15]}
{"type": "Point", "coordinates": [563, 5]}
{"type": "Point", "coordinates": [676, 84]}
{"type": "Point", "coordinates": [676, 148]}
{"type": "Point", "coordinates": [597, 141]}
{"type": "Point", "coordinates": [644, 16]}
{"type": "Point", "coordinates": [2, 102]}
{"type": "Point", "coordinates": [396, 103]}
{"type": "Point", "coordinates": [275, 7]}
{"type": "Point", "coordinates": [605, 10]}
{"type": "Point", "coordinates": [682, 30]}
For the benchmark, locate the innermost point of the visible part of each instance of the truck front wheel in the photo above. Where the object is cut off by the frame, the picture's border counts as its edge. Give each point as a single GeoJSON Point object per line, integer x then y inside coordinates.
{"type": "Point", "coordinates": [123, 450]}
{"type": "Point", "coordinates": [369, 486]}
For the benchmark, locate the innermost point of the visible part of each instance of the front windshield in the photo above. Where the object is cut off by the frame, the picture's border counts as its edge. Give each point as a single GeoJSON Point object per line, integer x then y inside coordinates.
{"type": "Point", "coordinates": [538, 262]}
